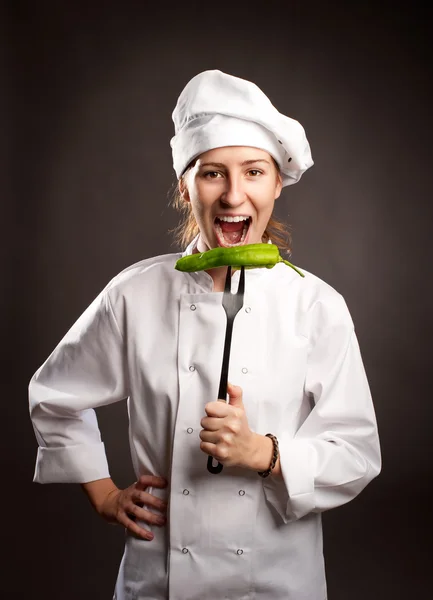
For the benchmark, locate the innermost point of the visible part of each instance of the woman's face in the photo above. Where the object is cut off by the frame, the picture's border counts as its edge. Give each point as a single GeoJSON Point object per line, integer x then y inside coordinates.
{"type": "Point", "coordinates": [234, 181]}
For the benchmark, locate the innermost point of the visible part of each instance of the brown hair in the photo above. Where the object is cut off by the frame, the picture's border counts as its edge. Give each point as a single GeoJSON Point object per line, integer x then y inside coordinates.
{"type": "Point", "coordinates": [187, 228]}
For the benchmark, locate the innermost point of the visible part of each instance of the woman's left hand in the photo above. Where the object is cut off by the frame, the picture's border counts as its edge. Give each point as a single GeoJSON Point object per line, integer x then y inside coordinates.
{"type": "Point", "coordinates": [226, 435]}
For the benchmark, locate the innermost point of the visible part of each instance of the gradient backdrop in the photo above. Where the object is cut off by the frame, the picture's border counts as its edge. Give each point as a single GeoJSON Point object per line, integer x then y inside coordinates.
{"type": "Point", "coordinates": [90, 90]}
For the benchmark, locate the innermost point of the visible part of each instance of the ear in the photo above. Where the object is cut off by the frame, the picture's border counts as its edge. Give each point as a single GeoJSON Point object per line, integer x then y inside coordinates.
{"type": "Point", "coordinates": [279, 186]}
{"type": "Point", "coordinates": [183, 189]}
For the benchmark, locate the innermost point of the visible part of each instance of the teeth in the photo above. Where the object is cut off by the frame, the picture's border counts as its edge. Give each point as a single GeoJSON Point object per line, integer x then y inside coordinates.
{"type": "Point", "coordinates": [227, 244]}
{"type": "Point", "coordinates": [233, 219]}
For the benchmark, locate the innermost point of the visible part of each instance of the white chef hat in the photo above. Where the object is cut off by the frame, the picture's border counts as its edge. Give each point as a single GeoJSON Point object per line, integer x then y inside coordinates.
{"type": "Point", "coordinates": [216, 110]}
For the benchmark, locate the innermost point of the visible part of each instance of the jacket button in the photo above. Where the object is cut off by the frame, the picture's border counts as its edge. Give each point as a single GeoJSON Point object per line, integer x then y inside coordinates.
{"type": "Point", "coordinates": [240, 551]}
{"type": "Point", "coordinates": [241, 492]}
{"type": "Point", "coordinates": [185, 492]}
{"type": "Point", "coordinates": [190, 430]}
{"type": "Point", "coordinates": [192, 368]}
{"type": "Point", "coordinates": [193, 307]}
{"type": "Point", "coordinates": [184, 550]}
{"type": "Point", "coordinates": [244, 370]}
{"type": "Point", "coordinates": [248, 309]}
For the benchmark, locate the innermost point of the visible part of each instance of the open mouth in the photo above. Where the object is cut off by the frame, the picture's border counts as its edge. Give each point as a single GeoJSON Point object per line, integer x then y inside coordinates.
{"type": "Point", "coordinates": [232, 231]}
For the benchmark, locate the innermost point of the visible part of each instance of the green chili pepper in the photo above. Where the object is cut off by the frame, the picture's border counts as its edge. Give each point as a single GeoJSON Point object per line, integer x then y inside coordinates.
{"type": "Point", "coordinates": [250, 256]}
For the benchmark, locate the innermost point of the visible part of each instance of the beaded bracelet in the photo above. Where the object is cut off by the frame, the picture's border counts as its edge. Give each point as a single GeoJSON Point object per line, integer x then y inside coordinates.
{"type": "Point", "coordinates": [274, 456]}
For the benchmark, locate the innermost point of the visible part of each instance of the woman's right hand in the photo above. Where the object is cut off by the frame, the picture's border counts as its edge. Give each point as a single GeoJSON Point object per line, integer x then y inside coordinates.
{"type": "Point", "coordinates": [126, 506]}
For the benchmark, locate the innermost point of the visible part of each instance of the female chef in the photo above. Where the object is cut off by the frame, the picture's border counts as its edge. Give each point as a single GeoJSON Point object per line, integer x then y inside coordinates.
{"type": "Point", "coordinates": [155, 337]}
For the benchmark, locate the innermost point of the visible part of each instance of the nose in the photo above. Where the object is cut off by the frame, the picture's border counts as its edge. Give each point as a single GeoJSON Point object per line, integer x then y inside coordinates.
{"type": "Point", "coordinates": [234, 193]}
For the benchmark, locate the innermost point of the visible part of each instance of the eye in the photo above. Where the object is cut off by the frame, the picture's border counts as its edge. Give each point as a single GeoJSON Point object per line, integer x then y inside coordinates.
{"type": "Point", "coordinates": [212, 174]}
{"type": "Point", "coordinates": [254, 172]}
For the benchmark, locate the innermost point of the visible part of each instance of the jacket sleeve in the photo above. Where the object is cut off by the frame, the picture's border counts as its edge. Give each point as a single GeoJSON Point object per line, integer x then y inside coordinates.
{"type": "Point", "coordinates": [86, 370]}
{"type": "Point", "coordinates": [335, 453]}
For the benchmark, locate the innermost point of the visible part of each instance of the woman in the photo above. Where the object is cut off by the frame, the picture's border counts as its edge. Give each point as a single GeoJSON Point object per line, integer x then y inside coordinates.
{"type": "Point", "coordinates": [155, 336]}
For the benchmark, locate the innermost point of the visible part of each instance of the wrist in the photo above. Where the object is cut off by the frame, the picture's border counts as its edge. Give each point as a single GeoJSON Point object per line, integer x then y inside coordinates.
{"type": "Point", "coordinates": [275, 458]}
{"type": "Point", "coordinates": [98, 491]}
{"type": "Point", "coordinates": [261, 454]}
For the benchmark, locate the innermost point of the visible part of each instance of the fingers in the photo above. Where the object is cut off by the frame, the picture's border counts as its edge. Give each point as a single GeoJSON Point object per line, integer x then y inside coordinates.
{"type": "Point", "coordinates": [133, 513]}
{"type": "Point", "coordinates": [134, 504]}
{"type": "Point", "coordinates": [211, 437]}
{"type": "Point", "coordinates": [211, 423]}
{"type": "Point", "coordinates": [144, 498]}
{"type": "Point", "coordinates": [232, 424]}
{"type": "Point", "coordinates": [234, 390]}
{"type": "Point", "coordinates": [217, 452]}
{"type": "Point", "coordinates": [135, 529]}
{"type": "Point", "coordinates": [217, 409]}
{"type": "Point", "coordinates": [143, 514]}
{"type": "Point", "coordinates": [146, 481]}
{"type": "Point", "coordinates": [216, 437]}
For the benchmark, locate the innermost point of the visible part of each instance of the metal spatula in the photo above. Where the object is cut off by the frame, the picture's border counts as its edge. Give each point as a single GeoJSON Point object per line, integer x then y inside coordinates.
{"type": "Point", "coordinates": [232, 304]}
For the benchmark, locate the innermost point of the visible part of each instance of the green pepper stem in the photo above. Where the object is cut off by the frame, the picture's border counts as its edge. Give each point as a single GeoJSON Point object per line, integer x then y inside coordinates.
{"type": "Point", "coordinates": [289, 264]}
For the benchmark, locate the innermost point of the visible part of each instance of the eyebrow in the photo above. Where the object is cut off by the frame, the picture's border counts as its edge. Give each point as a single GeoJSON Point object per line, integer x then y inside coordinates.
{"type": "Point", "coordinates": [243, 164]}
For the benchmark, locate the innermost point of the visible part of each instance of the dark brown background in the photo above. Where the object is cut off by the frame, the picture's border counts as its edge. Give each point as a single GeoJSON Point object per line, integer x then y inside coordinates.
{"type": "Point", "coordinates": [86, 179]}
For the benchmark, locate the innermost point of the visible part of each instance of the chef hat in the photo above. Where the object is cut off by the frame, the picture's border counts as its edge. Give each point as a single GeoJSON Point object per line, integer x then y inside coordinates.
{"type": "Point", "coordinates": [216, 110]}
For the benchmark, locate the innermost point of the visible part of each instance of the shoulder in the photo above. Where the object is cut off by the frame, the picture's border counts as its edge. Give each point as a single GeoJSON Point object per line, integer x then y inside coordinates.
{"type": "Point", "coordinates": [326, 307]}
{"type": "Point", "coordinates": [160, 268]}
{"type": "Point", "coordinates": [316, 302]}
{"type": "Point", "coordinates": [309, 290]}
{"type": "Point", "coordinates": [316, 291]}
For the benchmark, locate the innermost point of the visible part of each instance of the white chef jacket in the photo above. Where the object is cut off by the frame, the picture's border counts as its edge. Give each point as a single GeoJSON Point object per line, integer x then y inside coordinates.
{"type": "Point", "coordinates": [155, 337]}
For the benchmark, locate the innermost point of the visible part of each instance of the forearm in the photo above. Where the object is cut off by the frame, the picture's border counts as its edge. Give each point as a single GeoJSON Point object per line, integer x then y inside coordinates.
{"type": "Point", "coordinates": [98, 491]}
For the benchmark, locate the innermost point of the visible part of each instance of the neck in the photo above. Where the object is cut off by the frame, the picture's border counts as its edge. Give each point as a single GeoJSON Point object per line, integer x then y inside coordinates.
{"type": "Point", "coordinates": [219, 278]}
